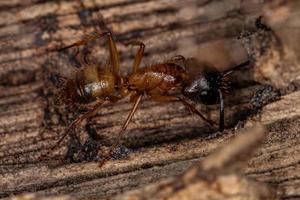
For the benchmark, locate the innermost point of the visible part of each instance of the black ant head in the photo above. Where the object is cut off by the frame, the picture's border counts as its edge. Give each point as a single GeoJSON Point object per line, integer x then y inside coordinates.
{"type": "Point", "coordinates": [204, 82]}
{"type": "Point", "coordinates": [204, 88]}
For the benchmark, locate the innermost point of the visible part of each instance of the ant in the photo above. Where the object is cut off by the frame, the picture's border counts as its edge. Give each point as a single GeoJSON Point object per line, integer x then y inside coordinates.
{"type": "Point", "coordinates": [93, 86]}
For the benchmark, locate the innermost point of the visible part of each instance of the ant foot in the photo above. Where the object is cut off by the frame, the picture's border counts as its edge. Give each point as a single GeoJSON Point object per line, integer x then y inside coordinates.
{"type": "Point", "coordinates": [120, 152]}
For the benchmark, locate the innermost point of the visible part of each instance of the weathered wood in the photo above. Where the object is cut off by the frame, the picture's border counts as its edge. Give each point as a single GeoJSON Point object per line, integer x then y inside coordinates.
{"type": "Point", "coordinates": [164, 139]}
{"type": "Point", "coordinates": [275, 47]}
{"type": "Point", "coordinates": [274, 163]}
{"type": "Point", "coordinates": [215, 177]}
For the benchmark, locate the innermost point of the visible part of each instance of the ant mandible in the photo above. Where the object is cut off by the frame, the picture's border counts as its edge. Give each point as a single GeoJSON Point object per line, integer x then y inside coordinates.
{"type": "Point", "coordinates": [93, 86]}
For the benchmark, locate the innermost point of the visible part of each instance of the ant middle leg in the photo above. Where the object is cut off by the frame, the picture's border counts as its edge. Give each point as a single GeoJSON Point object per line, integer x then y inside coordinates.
{"type": "Point", "coordinates": [139, 55]}
{"type": "Point", "coordinates": [121, 132]}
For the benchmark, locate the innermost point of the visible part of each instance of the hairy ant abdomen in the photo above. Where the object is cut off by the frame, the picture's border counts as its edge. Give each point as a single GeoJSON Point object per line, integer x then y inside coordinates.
{"type": "Point", "coordinates": [89, 84]}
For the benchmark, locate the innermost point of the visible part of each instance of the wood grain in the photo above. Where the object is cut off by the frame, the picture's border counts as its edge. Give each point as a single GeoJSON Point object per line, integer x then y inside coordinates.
{"type": "Point", "coordinates": [164, 139]}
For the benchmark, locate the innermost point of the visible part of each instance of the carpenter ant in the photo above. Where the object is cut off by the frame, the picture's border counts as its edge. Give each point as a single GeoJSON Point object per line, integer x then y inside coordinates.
{"type": "Point", "coordinates": [93, 86]}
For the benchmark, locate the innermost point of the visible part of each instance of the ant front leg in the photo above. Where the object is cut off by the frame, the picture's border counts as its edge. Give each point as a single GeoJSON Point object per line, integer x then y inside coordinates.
{"type": "Point", "coordinates": [114, 55]}
{"type": "Point", "coordinates": [139, 55]}
{"type": "Point", "coordinates": [221, 119]}
{"type": "Point", "coordinates": [120, 134]}
{"type": "Point", "coordinates": [161, 98]}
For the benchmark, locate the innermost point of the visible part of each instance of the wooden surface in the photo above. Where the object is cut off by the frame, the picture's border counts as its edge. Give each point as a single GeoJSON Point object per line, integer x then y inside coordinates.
{"type": "Point", "coordinates": [215, 177]}
{"type": "Point", "coordinates": [164, 139]}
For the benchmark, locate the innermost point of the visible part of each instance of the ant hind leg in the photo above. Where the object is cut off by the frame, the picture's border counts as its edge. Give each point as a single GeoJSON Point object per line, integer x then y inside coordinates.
{"type": "Point", "coordinates": [139, 55]}
{"type": "Point", "coordinates": [114, 55]}
{"type": "Point", "coordinates": [77, 121]}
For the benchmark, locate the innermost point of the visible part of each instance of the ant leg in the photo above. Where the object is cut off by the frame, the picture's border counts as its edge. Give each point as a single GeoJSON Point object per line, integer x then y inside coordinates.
{"type": "Point", "coordinates": [124, 127]}
{"type": "Point", "coordinates": [221, 120]}
{"type": "Point", "coordinates": [139, 55]}
{"type": "Point", "coordinates": [88, 114]}
{"type": "Point", "coordinates": [114, 55]}
{"type": "Point", "coordinates": [195, 111]}
{"type": "Point", "coordinates": [161, 98]}
{"type": "Point", "coordinates": [241, 65]}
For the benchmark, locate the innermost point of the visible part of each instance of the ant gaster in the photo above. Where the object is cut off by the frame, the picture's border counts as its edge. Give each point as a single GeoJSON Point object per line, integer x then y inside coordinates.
{"type": "Point", "coordinates": [93, 86]}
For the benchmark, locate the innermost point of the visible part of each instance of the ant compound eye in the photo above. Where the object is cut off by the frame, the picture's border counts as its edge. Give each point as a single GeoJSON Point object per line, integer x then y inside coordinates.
{"type": "Point", "coordinates": [204, 93]}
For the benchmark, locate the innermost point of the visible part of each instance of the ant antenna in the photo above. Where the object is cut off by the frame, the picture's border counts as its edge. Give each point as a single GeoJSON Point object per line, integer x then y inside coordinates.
{"type": "Point", "coordinates": [237, 67]}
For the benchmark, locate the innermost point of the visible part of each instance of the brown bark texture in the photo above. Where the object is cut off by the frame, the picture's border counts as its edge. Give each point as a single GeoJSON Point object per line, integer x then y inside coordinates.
{"type": "Point", "coordinates": [166, 151]}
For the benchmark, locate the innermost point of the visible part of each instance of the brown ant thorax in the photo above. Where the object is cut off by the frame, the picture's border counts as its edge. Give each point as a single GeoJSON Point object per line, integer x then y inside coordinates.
{"type": "Point", "coordinates": [88, 84]}
{"type": "Point", "coordinates": [158, 79]}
